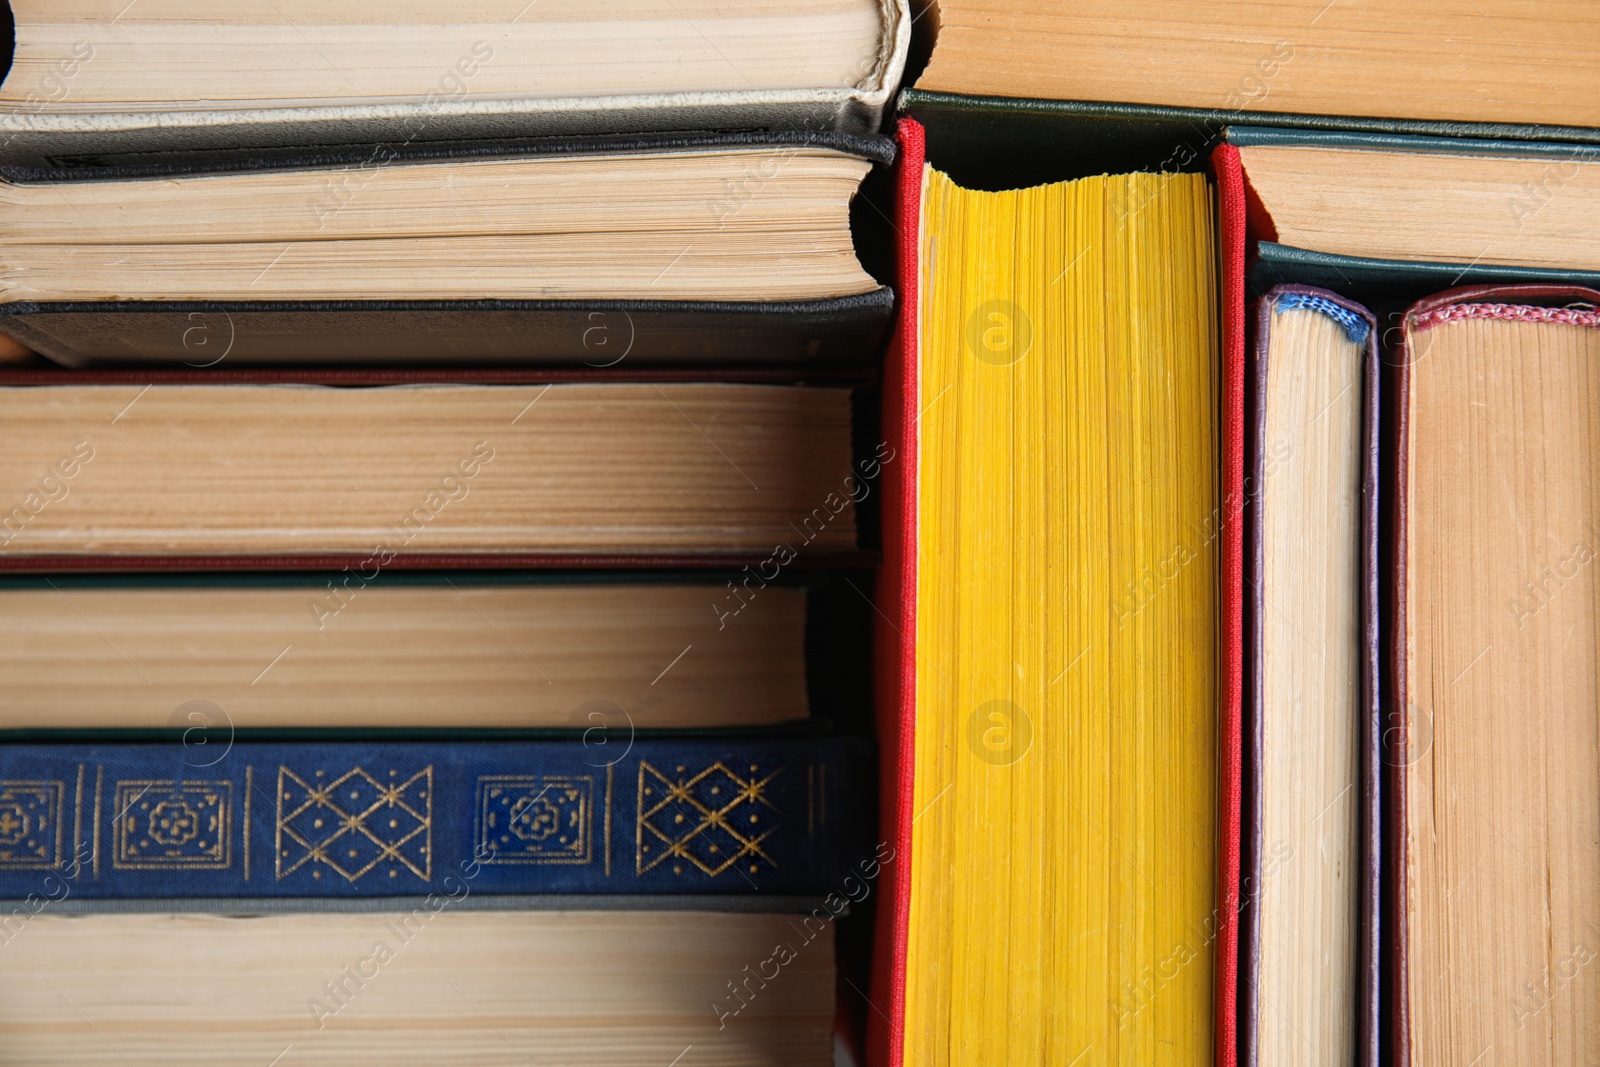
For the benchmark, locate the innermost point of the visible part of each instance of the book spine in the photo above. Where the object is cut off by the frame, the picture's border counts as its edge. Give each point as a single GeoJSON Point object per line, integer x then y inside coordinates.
{"type": "Point", "coordinates": [1231, 210]}
{"type": "Point", "coordinates": [601, 814]}
{"type": "Point", "coordinates": [896, 602]}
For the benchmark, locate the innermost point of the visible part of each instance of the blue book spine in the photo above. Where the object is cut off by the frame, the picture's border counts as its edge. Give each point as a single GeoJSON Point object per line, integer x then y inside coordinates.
{"type": "Point", "coordinates": [384, 818]}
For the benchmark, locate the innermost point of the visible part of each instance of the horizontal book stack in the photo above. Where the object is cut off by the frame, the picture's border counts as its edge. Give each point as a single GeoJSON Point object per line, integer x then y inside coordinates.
{"type": "Point", "coordinates": [435, 595]}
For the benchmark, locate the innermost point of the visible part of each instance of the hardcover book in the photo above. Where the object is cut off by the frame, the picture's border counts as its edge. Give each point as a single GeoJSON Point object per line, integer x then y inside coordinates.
{"type": "Point", "coordinates": [1505, 62]}
{"type": "Point", "coordinates": [366, 648]}
{"type": "Point", "coordinates": [94, 82]}
{"type": "Point", "coordinates": [277, 473]}
{"type": "Point", "coordinates": [979, 357]}
{"type": "Point", "coordinates": [602, 815]}
{"type": "Point", "coordinates": [1388, 215]}
{"type": "Point", "coordinates": [1309, 960]}
{"type": "Point", "coordinates": [1492, 735]}
{"type": "Point", "coordinates": [435, 982]}
{"type": "Point", "coordinates": [543, 251]}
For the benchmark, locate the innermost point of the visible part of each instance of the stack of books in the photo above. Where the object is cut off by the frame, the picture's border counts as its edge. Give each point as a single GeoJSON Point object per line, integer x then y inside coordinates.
{"type": "Point", "coordinates": [1246, 677]}
{"type": "Point", "coordinates": [494, 573]}
{"type": "Point", "coordinates": [435, 616]}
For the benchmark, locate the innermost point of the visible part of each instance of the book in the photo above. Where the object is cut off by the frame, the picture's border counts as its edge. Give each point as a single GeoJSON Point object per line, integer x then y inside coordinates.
{"type": "Point", "coordinates": [754, 220]}
{"type": "Point", "coordinates": [427, 984]}
{"type": "Point", "coordinates": [401, 650]}
{"type": "Point", "coordinates": [378, 476]}
{"type": "Point", "coordinates": [1506, 63]}
{"type": "Point", "coordinates": [1492, 736]}
{"type": "Point", "coordinates": [91, 82]}
{"type": "Point", "coordinates": [980, 389]}
{"type": "Point", "coordinates": [613, 814]}
{"type": "Point", "coordinates": [1345, 205]}
{"type": "Point", "coordinates": [1309, 929]}
{"type": "Point", "coordinates": [1508, 182]}
{"type": "Point", "coordinates": [990, 137]}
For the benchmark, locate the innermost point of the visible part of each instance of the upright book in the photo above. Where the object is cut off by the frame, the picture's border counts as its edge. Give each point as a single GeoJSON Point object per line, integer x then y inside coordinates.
{"type": "Point", "coordinates": [1310, 930]}
{"type": "Point", "coordinates": [1494, 742]}
{"type": "Point", "coordinates": [1021, 649]}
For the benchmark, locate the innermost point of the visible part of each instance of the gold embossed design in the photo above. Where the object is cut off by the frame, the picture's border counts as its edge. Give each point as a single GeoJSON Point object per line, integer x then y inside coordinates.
{"type": "Point", "coordinates": [355, 823]}
{"type": "Point", "coordinates": [543, 818]}
{"type": "Point", "coordinates": [709, 819]}
{"type": "Point", "coordinates": [168, 825]}
{"type": "Point", "coordinates": [30, 825]}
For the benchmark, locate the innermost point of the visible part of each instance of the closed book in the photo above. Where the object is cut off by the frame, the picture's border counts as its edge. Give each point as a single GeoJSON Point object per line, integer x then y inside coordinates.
{"type": "Point", "coordinates": [425, 982]}
{"type": "Point", "coordinates": [1391, 215]}
{"type": "Point", "coordinates": [605, 813]}
{"type": "Point", "coordinates": [420, 650]}
{"type": "Point", "coordinates": [89, 83]}
{"type": "Point", "coordinates": [684, 248]}
{"type": "Point", "coordinates": [1035, 137]}
{"type": "Point", "coordinates": [232, 470]}
{"type": "Point", "coordinates": [1309, 925]}
{"type": "Point", "coordinates": [1490, 733]}
{"type": "Point", "coordinates": [1506, 62]}
{"type": "Point", "coordinates": [963, 743]}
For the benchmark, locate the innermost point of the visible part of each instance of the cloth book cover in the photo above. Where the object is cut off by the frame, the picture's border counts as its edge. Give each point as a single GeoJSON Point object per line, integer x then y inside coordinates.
{"type": "Point", "coordinates": [895, 646]}
{"type": "Point", "coordinates": [391, 818]}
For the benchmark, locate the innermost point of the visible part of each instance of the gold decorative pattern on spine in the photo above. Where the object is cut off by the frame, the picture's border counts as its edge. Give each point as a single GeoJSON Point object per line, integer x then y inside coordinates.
{"type": "Point", "coordinates": [711, 820]}
{"type": "Point", "coordinates": [169, 825]}
{"type": "Point", "coordinates": [99, 785]}
{"type": "Point", "coordinates": [535, 818]}
{"type": "Point", "coordinates": [30, 825]}
{"type": "Point", "coordinates": [355, 823]}
{"type": "Point", "coordinates": [249, 788]}
{"type": "Point", "coordinates": [75, 867]}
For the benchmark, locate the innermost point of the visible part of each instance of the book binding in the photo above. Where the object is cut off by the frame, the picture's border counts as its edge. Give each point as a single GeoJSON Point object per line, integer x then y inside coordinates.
{"type": "Point", "coordinates": [1368, 961]}
{"type": "Point", "coordinates": [895, 669]}
{"type": "Point", "coordinates": [594, 815]}
{"type": "Point", "coordinates": [1397, 758]}
{"type": "Point", "coordinates": [593, 333]}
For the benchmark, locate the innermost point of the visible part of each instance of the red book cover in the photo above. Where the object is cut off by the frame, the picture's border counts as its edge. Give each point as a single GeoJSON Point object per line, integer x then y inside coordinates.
{"type": "Point", "coordinates": [1231, 212]}
{"type": "Point", "coordinates": [896, 619]}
